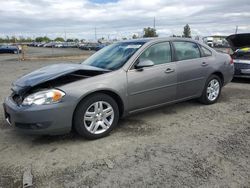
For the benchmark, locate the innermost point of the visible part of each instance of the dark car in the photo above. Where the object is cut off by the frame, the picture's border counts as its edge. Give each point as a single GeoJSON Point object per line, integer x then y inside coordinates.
{"type": "Point", "coordinates": [240, 44]}
{"type": "Point", "coordinates": [100, 46]}
{"type": "Point", "coordinates": [90, 46]}
{"type": "Point", "coordinates": [9, 49]}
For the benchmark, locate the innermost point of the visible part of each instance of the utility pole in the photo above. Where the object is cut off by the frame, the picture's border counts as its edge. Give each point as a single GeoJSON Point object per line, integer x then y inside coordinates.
{"type": "Point", "coordinates": [95, 33]}
{"type": "Point", "coordinates": [236, 29]}
{"type": "Point", "coordinates": [154, 23]}
{"type": "Point", "coordinates": [65, 36]}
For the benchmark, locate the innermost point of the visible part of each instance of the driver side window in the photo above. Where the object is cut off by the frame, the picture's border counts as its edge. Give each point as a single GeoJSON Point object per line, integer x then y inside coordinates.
{"type": "Point", "coordinates": [158, 53]}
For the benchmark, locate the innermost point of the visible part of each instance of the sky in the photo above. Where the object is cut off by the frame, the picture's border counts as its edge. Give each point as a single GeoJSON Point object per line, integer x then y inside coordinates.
{"type": "Point", "coordinates": [121, 18]}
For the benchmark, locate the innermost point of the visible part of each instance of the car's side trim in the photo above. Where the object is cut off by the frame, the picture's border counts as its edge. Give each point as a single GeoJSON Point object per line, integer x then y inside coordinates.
{"type": "Point", "coordinates": [161, 104]}
{"type": "Point", "coordinates": [152, 89]}
{"type": "Point", "coordinates": [195, 79]}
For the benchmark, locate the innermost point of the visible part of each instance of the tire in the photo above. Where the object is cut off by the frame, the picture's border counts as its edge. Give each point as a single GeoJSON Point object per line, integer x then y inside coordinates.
{"type": "Point", "coordinates": [207, 98]}
{"type": "Point", "coordinates": [91, 118]}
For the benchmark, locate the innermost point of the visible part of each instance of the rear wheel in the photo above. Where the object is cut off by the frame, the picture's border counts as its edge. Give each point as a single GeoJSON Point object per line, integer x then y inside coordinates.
{"type": "Point", "coordinates": [212, 90]}
{"type": "Point", "coordinates": [96, 116]}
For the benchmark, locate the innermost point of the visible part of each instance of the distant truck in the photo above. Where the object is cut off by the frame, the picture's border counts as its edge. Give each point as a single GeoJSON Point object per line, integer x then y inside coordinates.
{"type": "Point", "coordinates": [210, 41]}
{"type": "Point", "coordinates": [218, 43]}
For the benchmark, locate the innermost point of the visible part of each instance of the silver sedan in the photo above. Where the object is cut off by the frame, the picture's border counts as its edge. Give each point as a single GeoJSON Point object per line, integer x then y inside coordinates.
{"type": "Point", "coordinates": [119, 80]}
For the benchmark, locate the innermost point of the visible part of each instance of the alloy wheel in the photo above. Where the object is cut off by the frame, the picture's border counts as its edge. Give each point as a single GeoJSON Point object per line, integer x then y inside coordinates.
{"type": "Point", "coordinates": [98, 117]}
{"type": "Point", "coordinates": [213, 89]}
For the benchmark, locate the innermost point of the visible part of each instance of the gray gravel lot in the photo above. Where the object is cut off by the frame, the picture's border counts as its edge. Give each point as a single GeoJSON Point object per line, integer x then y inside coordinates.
{"type": "Point", "coordinates": [182, 145]}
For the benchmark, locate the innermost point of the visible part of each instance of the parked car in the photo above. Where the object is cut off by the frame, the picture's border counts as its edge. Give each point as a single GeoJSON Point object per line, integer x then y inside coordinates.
{"type": "Point", "coordinates": [69, 45]}
{"type": "Point", "coordinates": [81, 45]}
{"type": "Point", "coordinates": [119, 80]}
{"type": "Point", "coordinates": [100, 46]}
{"type": "Point", "coordinates": [40, 44]}
{"type": "Point", "coordinates": [58, 45]}
{"type": "Point", "coordinates": [49, 45]}
{"type": "Point", "coordinates": [9, 49]}
{"type": "Point", "coordinates": [240, 44]}
{"type": "Point", "coordinates": [32, 44]}
{"type": "Point", "coordinates": [90, 46]}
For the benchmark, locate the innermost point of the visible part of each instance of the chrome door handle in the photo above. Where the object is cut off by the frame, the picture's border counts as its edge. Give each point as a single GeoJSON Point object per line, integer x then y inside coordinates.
{"type": "Point", "coordinates": [169, 70]}
{"type": "Point", "coordinates": [204, 64]}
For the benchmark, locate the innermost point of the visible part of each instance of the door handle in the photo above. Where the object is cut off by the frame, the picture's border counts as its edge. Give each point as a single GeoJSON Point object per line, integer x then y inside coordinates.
{"type": "Point", "coordinates": [204, 64]}
{"type": "Point", "coordinates": [169, 70]}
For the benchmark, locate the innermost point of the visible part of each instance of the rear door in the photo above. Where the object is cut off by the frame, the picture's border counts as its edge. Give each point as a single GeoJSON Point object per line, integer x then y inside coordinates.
{"type": "Point", "coordinates": [152, 85]}
{"type": "Point", "coordinates": [191, 69]}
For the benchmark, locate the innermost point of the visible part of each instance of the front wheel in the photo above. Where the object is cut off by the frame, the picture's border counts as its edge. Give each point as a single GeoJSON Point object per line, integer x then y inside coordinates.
{"type": "Point", "coordinates": [96, 116]}
{"type": "Point", "coordinates": [212, 90]}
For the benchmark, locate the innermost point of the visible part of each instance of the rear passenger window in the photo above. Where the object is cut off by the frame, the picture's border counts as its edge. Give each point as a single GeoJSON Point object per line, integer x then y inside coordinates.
{"type": "Point", "coordinates": [186, 50]}
{"type": "Point", "coordinates": [158, 53]}
{"type": "Point", "coordinates": [205, 52]}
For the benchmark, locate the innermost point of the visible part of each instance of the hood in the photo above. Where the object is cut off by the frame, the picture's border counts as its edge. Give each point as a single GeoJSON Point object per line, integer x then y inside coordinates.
{"type": "Point", "coordinates": [50, 73]}
{"type": "Point", "coordinates": [237, 41]}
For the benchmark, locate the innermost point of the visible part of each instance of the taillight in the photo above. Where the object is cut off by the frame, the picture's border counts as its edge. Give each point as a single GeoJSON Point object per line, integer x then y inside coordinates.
{"type": "Point", "coordinates": [231, 61]}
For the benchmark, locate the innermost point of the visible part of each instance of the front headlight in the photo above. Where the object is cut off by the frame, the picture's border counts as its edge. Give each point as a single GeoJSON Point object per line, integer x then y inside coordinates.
{"type": "Point", "coordinates": [44, 97]}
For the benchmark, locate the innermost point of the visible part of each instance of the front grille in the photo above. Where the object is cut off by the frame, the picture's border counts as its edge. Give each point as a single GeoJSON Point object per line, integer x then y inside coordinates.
{"type": "Point", "coordinates": [18, 99]}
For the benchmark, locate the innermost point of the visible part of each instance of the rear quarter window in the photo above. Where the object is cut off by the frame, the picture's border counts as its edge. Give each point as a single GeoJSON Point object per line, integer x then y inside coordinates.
{"type": "Point", "coordinates": [205, 52]}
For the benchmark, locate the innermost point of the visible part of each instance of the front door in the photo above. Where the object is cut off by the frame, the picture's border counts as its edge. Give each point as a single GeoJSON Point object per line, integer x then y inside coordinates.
{"type": "Point", "coordinates": [152, 85]}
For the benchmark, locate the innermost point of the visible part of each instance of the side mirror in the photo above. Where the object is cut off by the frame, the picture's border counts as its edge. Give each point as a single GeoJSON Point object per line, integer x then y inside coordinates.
{"type": "Point", "coordinates": [144, 63]}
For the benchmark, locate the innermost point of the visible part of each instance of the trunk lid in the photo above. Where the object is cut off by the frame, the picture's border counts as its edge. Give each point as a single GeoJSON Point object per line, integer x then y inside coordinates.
{"type": "Point", "coordinates": [238, 41]}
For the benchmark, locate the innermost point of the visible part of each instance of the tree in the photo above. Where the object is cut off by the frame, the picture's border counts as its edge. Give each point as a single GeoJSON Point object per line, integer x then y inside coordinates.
{"type": "Point", "coordinates": [70, 40]}
{"type": "Point", "coordinates": [7, 39]}
{"type": "Point", "coordinates": [187, 31]}
{"type": "Point", "coordinates": [29, 39]}
{"type": "Point", "coordinates": [39, 39]}
{"type": "Point", "coordinates": [134, 36]}
{"type": "Point", "coordinates": [13, 39]}
{"type": "Point", "coordinates": [59, 39]}
{"type": "Point", "coordinates": [42, 39]}
{"type": "Point", "coordinates": [149, 32]}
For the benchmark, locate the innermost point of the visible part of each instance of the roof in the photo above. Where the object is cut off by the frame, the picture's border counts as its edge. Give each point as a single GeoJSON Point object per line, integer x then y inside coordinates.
{"type": "Point", "coordinates": [159, 39]}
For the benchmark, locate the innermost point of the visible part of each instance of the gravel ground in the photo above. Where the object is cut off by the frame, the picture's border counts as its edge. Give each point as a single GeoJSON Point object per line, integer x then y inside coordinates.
{"type": "Point", "coordinates": [182, 145]}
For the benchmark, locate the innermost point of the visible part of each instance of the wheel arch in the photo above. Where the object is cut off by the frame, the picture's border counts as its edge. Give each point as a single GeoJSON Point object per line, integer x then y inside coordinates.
{"type": "Point", "coordinates": [112, 94]}
{"type": "Point", "coordinates": [220, 75]}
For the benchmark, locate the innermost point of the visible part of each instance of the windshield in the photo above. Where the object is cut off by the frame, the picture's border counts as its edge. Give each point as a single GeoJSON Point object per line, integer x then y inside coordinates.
{"type": "Point", "coordinates": [113, 56]}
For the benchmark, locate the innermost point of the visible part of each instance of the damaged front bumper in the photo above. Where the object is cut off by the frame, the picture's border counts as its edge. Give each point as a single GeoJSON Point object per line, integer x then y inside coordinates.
{"type": "Point", "coordinates": [50, 119]}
